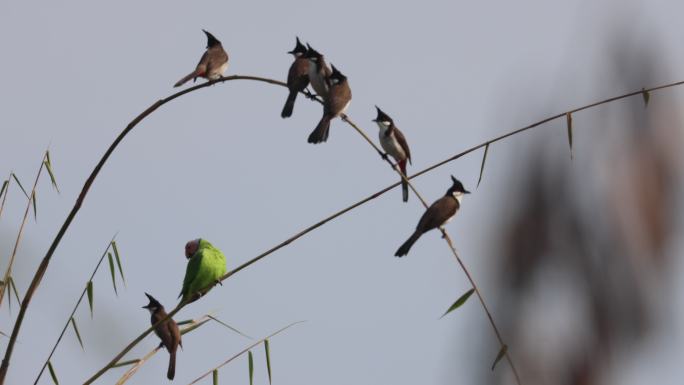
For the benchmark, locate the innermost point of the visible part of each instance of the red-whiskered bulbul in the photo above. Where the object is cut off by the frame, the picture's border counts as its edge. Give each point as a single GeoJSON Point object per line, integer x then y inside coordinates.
{"type": "Point", "coordinates": [438, 214]}
{"type": "Point", "coordinates": [394, 144]}
{"type": "Point", "coordinates": [213, 63]}
{"type": "Point", "coordinates": [167, 331]}
{"type": "Point", "coordinates": [319, 72]}
{"type": "Point", "coordinates": [334, 105]}
{"type": "Point", "coordinates": [297, 77]}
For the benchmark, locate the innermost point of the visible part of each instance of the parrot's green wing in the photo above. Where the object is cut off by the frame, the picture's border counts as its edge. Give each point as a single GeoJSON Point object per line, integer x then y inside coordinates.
{"type": "Point", "coordinates": [191, 272]}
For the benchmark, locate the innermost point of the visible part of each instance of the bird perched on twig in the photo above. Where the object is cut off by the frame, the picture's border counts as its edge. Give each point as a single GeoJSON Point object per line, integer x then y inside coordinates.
{"type": "Point", "coordinates": [394, 143]}
{"type": "Point", "coordinates": [319, 72]}
{"type": "Point", "coordinates": [213, 63]}
{"type": "Point", "coordinates": [297, 77]}
{"type": "Point", "coordinates": [438, 214]}
{"type": "Point", "coordinates": [167, 331]}
{"type": "Point", "coordinates": [206, 265]}
{"type": "Point", "coordinates": [334, 104]}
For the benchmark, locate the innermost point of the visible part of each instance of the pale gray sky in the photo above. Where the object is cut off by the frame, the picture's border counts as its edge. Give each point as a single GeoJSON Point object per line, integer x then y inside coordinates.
{"type": "Point", "coordinates": [221, 164]}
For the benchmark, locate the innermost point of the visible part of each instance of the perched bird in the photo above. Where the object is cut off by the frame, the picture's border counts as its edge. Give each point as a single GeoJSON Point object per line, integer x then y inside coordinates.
{"type": "Point", "coordinates": [394, 144]}
{"type": "Point", "coordinates": [167, 332]}
{"type": "Point", "coordinates": [334, 105]}
{"type": "Point", "coordinates": [206, 264]}
{"type": "Point", "coordinates": [297, 77]}
{"type": "Point", "coordinates": [213, 63]}
{"type": "Point", "coordinates": [318, 72]}
{"type": "Point", "coordinates": [438, 214]}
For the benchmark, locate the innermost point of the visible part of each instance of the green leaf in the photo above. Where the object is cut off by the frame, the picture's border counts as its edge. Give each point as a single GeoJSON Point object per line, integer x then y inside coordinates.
{"type": "Point", "coordinates": [460, 301]}
{"type": "Point", "coordinates": [646, 96]}
{"type": "Point", "coordinates": [568, 118]}
{"type": "Point", "coordinates": [499, 356]}
{"type": "Point", "coordinates": [20, 186]}
{"type": "Point", "coordinates": [52, 373]}
{"type": "Point", "coordinates": [112, 271]}
{"type": "Point", "coordinates": [118, 261]}
{"type": "Point", "coordinates": [89, 289]}
{"type": "Point", "coordinates": [215, 376]}
{"type": "Point", "coordinates": [251, 368]}
{"type": "Point", "coordinates": [14, 289]}
{"type": "Point", "coordinates": [267, 348]}
{"type": "Point", "coordinates": [35, 211]}
{"type": "Point", "coordinates": [78, 335]}
{"type": "Point", "coordinates": [48, 167]}
{"type": "Point", "coordinates": [4, 186]}
{"type": "Point", "coordinates": [484, 158]}
{"type": "Point", "coordinates": [125, 363]}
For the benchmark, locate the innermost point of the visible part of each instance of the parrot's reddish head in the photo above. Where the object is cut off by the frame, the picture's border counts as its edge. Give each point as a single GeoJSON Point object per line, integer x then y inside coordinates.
{"type": "Point", "coordinates": [191, 247]}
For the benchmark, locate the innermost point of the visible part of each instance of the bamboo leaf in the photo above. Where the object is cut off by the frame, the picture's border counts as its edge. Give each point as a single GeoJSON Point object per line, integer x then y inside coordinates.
{"type": "Point", "coordinates": [48, 167]}
{"type": "Point", "coordinates": [4, 186]}
{"type": "Point", "coordinates": [52, 373]}
{"type": "Point", "coordinates": [118, 261]}
{"type": "Point", "coordinates": [14, 289]}
{"type": "Point", "coordinates": [125, 363]}
{"type": "Point", "coordinates": [215, 376]}
{"type": "Point", "coordinates": [9, 296]}
{"type": "Point", "coordinates": [499, 356]}
{"type": "Point", "coordinates": [251, 368]}
{"type": "Point", "coordinates": [89, 290]}
{"type": "Point", "coordinates": [568, 118]}
{"type": "Point", "coordinates": [112, 271]}
{"type": "Point", "coordinates": [193, 327]}
{"type": "Point", "coordinates": [229, 327]}
{"type": "Point", "coordinates": [267, 348]}
{"type": "Point", "coordinates": [78, 335]}
{"type": "Point", "coordinates": [646, 95]}
{"type": "Point", "coordinates": [35, 211]}
{"type": "Point", "coordinates": [460, 301]}
{"type": "Point", "coordinates": [20, 186]}
{"type": "Point", "coordinates": [484, 158]}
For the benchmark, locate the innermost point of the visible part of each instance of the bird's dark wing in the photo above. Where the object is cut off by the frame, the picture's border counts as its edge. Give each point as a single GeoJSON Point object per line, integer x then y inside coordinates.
{"type": "Point", "coordinates": [438, 213]}
{"type": "Point", "coordinates": [402, 142]}
{"type": "Point", "coordinates": [298, 76]}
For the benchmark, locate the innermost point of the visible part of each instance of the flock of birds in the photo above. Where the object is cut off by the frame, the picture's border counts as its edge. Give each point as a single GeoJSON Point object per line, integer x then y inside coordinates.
{"type": "Point", "coordinates": [206, 263]}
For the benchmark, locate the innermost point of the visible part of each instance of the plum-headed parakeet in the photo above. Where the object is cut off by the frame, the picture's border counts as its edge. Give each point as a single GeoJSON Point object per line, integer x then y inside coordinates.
{"type": "Point", "coordinates": [206, 265]}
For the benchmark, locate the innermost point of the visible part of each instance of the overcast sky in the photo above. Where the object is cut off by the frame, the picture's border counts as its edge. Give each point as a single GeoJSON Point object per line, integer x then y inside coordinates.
{"type": "Point", "coordinates": [221, 164]}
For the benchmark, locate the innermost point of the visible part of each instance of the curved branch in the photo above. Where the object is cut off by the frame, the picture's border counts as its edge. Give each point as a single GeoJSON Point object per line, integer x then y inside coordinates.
{"type": "Point", "coordinates": [42, 268]}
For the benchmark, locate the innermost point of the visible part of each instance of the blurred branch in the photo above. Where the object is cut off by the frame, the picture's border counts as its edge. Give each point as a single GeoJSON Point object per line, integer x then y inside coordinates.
{"type": "Point", "coordinates": [4, 190]}
{"type": "Point", "coordinates": [245, 350]}
{"type": "Point", "coordinates": [42, 268]}
{"type": "Point", "coordinates": [31, 199]}
{"type": "Point", "coordinates": [66, 324]}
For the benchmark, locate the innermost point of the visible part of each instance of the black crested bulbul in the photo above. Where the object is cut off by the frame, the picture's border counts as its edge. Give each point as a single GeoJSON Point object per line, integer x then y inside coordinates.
{"type": "Point", "coordinates": [213, 63]}
{"type": "Point", "coordinates": [394, 143]}
{"type": "Point", "coordinates": [334, 105]}
{"type": "Point", "coordinates": [318, 72]}
{"type": "Point", "coordinates": [297, 77]}
{"type": "Point", "coordinates": [167, 331]}
{"type": "Point", "coordinates": [439, 213]}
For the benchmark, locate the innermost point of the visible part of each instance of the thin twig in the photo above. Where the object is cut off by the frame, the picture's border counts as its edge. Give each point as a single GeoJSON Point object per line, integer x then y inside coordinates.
{"type": "Point", "coordinates": [140, 362]}
{"type": "Point", "coordinates": [282, 244]}
{"type": "Point", "coordinates": [245, 350]}
{"type": "Point", "coordinates": [4, 197]}
{"type": "Point", "coordinates": [8, 272]}
{"type": "Point", "coordinates": [66, 324]}
{"type": "Point", "coordinates": [448, 241]}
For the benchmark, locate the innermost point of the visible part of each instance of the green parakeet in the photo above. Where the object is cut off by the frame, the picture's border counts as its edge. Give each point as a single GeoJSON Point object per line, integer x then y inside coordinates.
{"type": "Point", "coordinates": [206, 264]}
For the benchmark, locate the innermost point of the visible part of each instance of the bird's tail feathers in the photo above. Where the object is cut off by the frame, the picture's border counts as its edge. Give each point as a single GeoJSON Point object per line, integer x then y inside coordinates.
{"type": "Point", "coordinates": [404, 249]}
{"type": "Point", "coordinates": [404, 184]}
{"type": "Point", "coordinates": [171, 373]}
{"type": "Point", "coordinates": [186, 78]}
{"type": "Point", "coordinates": [289, 105]}
{"type": "Point", "coordinates": [320, 134]}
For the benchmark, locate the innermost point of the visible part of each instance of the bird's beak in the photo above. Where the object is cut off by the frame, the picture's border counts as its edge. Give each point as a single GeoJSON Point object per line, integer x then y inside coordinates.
{"type": "Point", "coordinates": [374, 120]}
{"type": "Point", "coordinates": [146, 307]}
{"type": "Point", "coordinates": [290, 52]}
{"type": "Point", "coordinates": [466, 192]}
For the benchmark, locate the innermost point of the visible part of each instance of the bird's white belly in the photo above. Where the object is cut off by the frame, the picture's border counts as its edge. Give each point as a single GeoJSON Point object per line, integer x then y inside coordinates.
{"type": "Point", "coordinates": [392, 147]}
{"type": "Point", "coordinates": [217, 73]}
